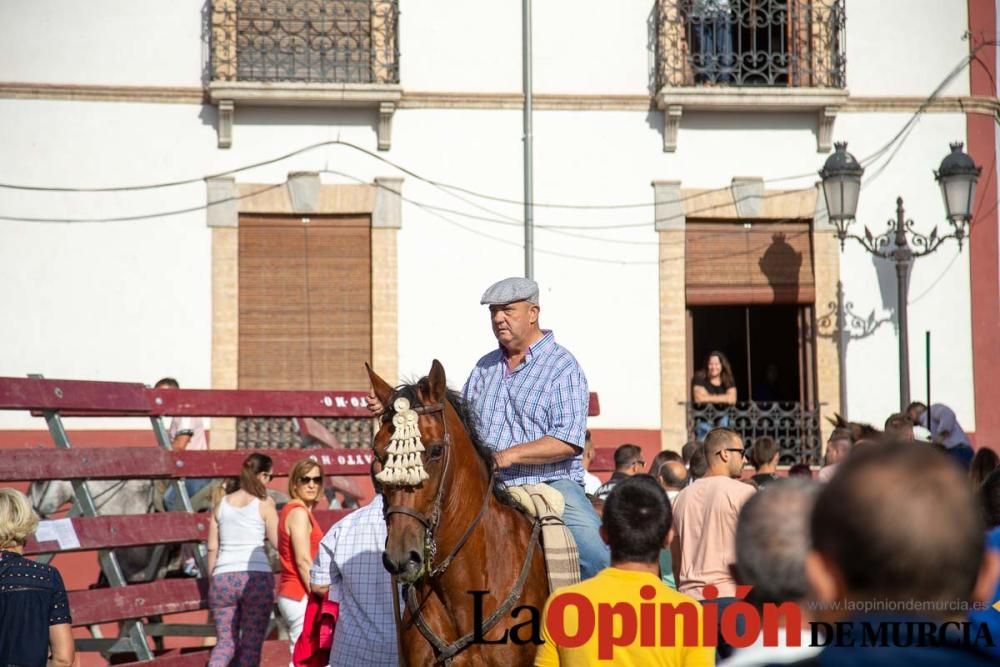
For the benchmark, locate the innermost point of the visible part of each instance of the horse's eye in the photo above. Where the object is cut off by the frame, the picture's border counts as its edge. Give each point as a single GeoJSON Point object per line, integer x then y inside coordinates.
{"type": "Point", "coordinates": [435, 452]}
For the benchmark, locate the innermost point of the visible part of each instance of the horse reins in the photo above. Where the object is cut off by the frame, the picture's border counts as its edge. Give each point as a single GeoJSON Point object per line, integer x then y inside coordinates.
{"type": "Point", "coordinates": [444, 650]}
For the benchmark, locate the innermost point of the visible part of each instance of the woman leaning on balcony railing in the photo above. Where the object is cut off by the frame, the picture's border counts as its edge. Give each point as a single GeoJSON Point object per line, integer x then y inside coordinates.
{"type": "Point", "coordinates": [712, 387]}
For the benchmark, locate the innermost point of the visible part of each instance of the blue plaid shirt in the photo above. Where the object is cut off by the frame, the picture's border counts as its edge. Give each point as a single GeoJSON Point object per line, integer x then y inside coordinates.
{"type": "Point", "coordinates": [546, 395]}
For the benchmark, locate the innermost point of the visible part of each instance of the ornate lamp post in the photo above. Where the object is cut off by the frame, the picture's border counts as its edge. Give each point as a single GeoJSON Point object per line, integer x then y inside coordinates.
{"type": "Point", "coordinates": [957, 177]}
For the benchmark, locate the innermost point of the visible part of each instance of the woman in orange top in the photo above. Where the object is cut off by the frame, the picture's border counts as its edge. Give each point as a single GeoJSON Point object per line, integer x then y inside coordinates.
{"type": "Point", "coordinates": [298, 541]}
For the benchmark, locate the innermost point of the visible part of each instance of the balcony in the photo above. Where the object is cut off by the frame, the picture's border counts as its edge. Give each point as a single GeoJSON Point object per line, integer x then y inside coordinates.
{"type": "Point", "coordinates": [751, 55]}
{"type": "Point", "coordinates": [794, 426]}
{"type": "Point", "coordinates": [333, 53]}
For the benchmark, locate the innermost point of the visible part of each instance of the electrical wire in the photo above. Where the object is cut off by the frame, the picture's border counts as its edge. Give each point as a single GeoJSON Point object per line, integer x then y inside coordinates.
{"type": "Point", "coordinates": [338, 142]}
{"type": "Point", "coordinates": [145, 216]}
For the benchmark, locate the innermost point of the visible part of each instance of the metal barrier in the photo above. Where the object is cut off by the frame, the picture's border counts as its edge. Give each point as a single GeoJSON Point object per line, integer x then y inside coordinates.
{"type": "Point", "coordinates": [54, 399]}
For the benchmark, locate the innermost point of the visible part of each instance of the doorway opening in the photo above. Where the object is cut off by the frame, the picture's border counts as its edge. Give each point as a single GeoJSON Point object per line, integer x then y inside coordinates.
{"type": "Point", "coordinates": [762, 344]}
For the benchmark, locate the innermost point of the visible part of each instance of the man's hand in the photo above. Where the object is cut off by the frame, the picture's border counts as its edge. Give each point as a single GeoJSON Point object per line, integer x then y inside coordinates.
{"type": "Point", "coordinates": [505, 459]}
{"type": "Point", "coordinates": [374, 405]}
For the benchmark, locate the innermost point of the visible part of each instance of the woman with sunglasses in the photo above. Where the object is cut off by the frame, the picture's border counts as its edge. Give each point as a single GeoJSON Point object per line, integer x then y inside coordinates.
{"type": "Point", "coordinates": [298, 541]}
{"type": "Point", "coordinates": [241, 594]}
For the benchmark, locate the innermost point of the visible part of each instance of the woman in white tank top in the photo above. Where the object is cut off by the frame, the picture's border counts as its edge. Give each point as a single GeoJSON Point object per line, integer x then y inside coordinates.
{"type": "Point", "coordinates": [241, 594]}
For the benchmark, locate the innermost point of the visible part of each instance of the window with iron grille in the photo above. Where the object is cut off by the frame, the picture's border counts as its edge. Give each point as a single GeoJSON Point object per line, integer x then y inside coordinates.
{"type": "Point", "coordinates": [305, 41]}
{"type": "Point", "coordinates": [793, 43]}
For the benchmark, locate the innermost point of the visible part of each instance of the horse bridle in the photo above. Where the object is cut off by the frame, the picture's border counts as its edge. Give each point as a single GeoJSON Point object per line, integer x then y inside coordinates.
{"type": "Point", "coordinates": [445, 652]}
{"type": "Point", "coordinates": [430, 522]}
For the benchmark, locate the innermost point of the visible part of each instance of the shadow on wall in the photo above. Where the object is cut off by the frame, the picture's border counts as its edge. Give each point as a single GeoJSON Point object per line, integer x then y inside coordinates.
{"type": "Point", "coordinates": [781, 264]}
{"type": "Point", "coordinates": [652, 48]}
{"type": "Point", "coordinates": [264, 116]}
{"type": "Point", "coordinates": [885, 272]}
{"type": "Point", "coordinates": [206, 43]}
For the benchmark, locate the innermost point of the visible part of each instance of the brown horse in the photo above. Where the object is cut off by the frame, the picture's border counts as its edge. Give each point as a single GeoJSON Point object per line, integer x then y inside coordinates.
{"type": "Point", "coordinates": [456, 532]}
{"type": "Point", "coordinates": [859, 431]}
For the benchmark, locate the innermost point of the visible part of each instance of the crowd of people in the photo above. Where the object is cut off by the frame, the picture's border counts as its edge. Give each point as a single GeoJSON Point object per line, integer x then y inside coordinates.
{"type": "Point", "coordinates": [891, 530]}
{"type": "Point", "coordinates": [892, 533]}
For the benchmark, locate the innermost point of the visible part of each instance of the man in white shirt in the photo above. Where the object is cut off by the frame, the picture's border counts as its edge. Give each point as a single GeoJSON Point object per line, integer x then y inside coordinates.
{"type": "Point", "coordinates": [945, 430]}
{"type": "Point", "coordinates": [591, 482]}
{"type": "Point", "coordinates": [186, 434]}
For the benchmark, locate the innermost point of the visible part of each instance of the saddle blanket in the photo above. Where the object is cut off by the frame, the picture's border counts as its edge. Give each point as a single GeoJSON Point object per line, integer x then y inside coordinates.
{"type": "Point", "coordinates": [546, 504]}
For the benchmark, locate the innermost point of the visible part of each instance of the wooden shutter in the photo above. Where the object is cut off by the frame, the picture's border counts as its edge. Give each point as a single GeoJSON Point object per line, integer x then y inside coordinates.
{"type": "Point", "coordinates": [304, 302]}
{"type": "Point", "coordinates": [737, 263]}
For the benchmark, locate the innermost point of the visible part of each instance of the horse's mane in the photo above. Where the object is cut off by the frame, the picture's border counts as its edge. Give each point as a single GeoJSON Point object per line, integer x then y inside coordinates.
{"type": "Point", "coordinates": [410, 391]}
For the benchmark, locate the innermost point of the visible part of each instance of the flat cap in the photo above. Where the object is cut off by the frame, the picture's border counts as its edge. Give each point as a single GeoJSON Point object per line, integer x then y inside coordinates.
{"type": "Point", "coordinates": [510, 290]}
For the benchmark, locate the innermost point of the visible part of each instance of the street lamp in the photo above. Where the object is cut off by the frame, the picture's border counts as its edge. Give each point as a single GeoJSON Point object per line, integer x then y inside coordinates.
{"type": "Point", "coordinates": [957, 177]}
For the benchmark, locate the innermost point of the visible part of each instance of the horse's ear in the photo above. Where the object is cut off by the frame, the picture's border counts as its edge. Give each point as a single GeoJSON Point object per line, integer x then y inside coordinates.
{"type": "Point", "coordinates": [436, 382]}
{"type": "Point", "coordinates": [383, 390]}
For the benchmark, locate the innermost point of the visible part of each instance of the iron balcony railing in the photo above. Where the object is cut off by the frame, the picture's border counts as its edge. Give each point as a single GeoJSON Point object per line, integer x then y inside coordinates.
{"type": "Point", "coordinates": [798, 43]}
{"type": "Point", "coordinates": [794, 426]}
{"type": "Point", "coordinates": [306, 41]}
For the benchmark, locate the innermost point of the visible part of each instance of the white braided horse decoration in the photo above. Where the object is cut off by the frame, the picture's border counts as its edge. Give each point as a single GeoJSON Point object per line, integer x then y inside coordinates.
{"type": "Point", "coordinates": [404, 466]}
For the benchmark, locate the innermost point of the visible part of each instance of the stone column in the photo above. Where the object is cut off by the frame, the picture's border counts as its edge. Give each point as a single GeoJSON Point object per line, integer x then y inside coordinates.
{"type": "Point", "coordinates": [223, 218]}
{"type": "Point", "coordinates": [826, 265]}
{"type": "Point", "coordinates": [669, 225]}
{"type": "Point", "coordinates": [387, 219]}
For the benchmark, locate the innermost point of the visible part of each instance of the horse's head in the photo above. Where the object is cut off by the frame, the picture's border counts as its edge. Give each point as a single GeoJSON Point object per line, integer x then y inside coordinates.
{"type": "Point", "coordinates": [414, 449]}
{"type": "Point", "coordinates": [48, 496]}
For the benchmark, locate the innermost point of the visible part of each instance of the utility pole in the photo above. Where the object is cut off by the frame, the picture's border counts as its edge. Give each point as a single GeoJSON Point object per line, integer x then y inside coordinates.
{"type": "Point", "coordinates": [529, 176]}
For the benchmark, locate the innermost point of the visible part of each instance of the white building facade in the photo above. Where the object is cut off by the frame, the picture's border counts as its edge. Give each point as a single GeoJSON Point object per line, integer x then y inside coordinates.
{"type": "Point", "coordinates": [675, 160]}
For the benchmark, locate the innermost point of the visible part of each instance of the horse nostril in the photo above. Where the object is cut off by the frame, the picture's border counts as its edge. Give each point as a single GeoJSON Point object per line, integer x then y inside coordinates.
{"type": "Point", "coordinates": [415, 558]}
{"type": "Point", "coordinates": [387, 563]}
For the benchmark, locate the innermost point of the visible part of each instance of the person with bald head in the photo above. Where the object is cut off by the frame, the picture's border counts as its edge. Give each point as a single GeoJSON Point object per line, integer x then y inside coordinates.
{"type": "Point", "coordinates": [772, 542]}
{"type": "Point", "coordinates": [705, 513]}
{"type": "Point", "coordinates": [673, 477]}
{"type": "Point", "coordinates": [897, 525]}
{"type": "Point", "coordinates": [898, 427]}
{"type": "Point", "coordinates": [837, 449]}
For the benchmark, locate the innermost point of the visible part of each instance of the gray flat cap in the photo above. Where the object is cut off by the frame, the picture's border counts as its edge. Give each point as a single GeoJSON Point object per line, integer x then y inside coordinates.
{"type": "Point", "coordinates": [510, 290]}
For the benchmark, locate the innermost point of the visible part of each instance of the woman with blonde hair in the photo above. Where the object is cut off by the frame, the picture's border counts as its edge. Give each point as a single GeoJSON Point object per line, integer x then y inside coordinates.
{"type": "Point", "coordinates": [298, 542]}
{"type": "Point", "coordinates": [35, 624]}
{"type": "Point", "coordinates": [241, 594]}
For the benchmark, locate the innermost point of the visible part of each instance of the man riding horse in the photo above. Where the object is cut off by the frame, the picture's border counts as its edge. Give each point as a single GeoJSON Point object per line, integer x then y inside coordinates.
{"type": "Point", "coordinates": [529, 399]}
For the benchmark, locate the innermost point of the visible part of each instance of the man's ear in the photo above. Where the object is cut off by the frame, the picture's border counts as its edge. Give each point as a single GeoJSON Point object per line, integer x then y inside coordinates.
{"type": "Point", "coordinates": [604, 535]}
{"type": "Point", "coordinates": [989, 575]}
{"type": "Point", "coordinates": [533, 311]}
{"type": "Point", "coordinates": [825, 580]}
{"type": "Point", "coordinates": [669, 538]}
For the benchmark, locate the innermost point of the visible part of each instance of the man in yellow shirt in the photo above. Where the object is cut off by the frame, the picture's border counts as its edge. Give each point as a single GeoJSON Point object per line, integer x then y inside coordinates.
{"type": "Point", "coordinates": [622, 616]}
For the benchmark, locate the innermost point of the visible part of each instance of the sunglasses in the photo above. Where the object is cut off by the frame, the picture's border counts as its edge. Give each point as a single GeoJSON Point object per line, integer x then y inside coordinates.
{"type": "Point", "coordinates": [741, 452]}
{"type": "Point", "coordinates": [317, 479]}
